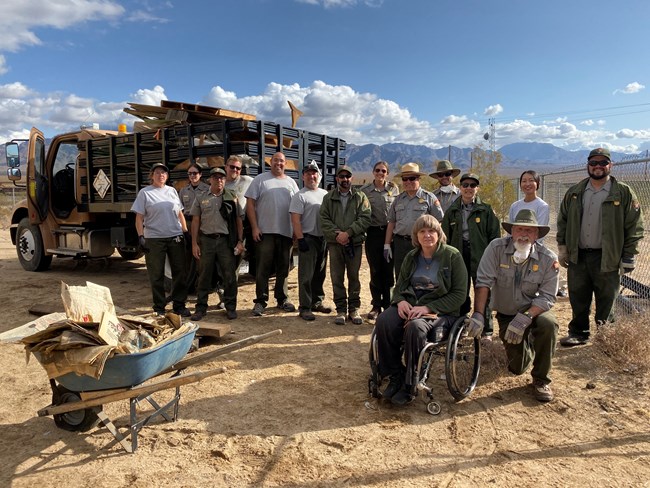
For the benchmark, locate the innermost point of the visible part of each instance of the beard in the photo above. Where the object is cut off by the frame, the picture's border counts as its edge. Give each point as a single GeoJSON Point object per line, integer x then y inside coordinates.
{"type": "Point", "coordinates": [522, 250]}
{"type": "Point", "coordinates": [600, 176]}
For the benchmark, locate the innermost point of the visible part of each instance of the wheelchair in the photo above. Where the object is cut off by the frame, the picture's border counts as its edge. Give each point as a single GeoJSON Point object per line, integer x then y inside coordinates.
{"type": "Point", "coordinates": [462, 364]}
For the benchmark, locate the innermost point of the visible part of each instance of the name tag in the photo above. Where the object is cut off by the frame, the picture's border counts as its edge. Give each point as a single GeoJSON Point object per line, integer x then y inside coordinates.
{"type": "Point", "coordinates": [504, 266]}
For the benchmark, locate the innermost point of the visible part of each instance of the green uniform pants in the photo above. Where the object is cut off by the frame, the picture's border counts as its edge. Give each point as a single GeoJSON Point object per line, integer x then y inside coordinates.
{"type": "Point", "coordinates": [340, 263]}
{"type": "Point", "coordinates": [311, 273]}
{"type": "Point", "coordinates": [537, 346]}
{"type": "Point", "coordinates": [216, 250]}
{"type": "Point", "coordinates": [272, 252]}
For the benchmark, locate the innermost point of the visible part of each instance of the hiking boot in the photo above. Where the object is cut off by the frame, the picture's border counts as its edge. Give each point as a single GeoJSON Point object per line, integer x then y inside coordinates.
{"type": "Point", "coordinates": [543, 392]}
{"type": "Point", "coordinates": [287, 306]}
{"type": "Point", "coordinates": [183, 312]}
{"type": "Point", "coordinates": [394, 385]}
{"type": "Point", "coordinates": [403, 397]}
{"type": "Point", "coordinates": [355, 318]}
{"type": "Point", "coordinates": [231, 314]}
{"type": "Point", "coordinates": [258, 309]}
{"type": "Point", "coordinates": [573, 340]}
{"type": "Point", "coordinates": [320, 308]}
{"type": "Point", "coordinates": [340, 319]}
{"type": "Point", "coordinates": [374, 313]}
{"type": "Point", "coordinates": [197, 315]}
{"type": "Point", "coordinates": [307, 315]}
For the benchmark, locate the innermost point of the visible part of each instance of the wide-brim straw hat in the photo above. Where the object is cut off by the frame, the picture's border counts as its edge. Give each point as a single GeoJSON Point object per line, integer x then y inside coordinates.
{"type": "Point", "coordinates": [526, 218]}
{"type": "Point", "coordinates": [410, 169]}
{"type": "Point", "coordinates": [444, 166]}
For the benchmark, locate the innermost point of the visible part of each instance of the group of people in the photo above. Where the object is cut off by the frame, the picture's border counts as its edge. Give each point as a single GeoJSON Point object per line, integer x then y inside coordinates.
{"type": "Point", "coordinates": [424, 251]}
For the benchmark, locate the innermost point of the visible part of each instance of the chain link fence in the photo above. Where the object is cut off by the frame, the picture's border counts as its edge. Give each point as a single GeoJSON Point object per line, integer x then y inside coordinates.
{"type": "Point", "coordinates": [632, 170]}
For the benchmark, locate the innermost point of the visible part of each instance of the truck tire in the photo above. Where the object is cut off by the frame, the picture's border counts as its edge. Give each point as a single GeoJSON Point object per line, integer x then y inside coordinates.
{"type": "Point", "coordinates": [130, 255]}
{"type": "Point", "coordinates": [29, 247]}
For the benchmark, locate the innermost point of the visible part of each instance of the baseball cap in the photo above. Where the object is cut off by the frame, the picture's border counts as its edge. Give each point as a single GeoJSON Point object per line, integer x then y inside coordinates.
{"type": "Point", "coordinates": [600, 151]}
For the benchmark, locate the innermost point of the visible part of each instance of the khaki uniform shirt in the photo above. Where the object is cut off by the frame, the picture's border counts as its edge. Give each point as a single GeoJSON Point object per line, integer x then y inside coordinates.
{"type": "Point", "coordinates": [516, 287]}
{"type": "Point", "coordinates": [207, 207]}
{"type": "Point", "coordinates": [447, 197]}
{"type": "Point", "coordinates": [188, 194]}
{"type": "Point", "coordinates": [405, 210]}
{"type": "Point", "coordinates": [380, 201]}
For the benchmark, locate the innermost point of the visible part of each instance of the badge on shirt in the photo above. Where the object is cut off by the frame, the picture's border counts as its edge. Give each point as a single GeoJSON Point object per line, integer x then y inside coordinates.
{"type": "Point", "coordinates": [616, 203]}
{"type": "Point", "coordinates": [420, 200]}
{"type": "Point", "coordinates": [478, 220]}
{"type": "Point", "coordinates": [635, 205]}
{"type": "Point", "coordinates": [535, 267]}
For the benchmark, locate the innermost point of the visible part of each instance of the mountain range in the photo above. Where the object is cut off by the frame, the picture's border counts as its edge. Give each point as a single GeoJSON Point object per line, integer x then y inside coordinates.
{"type": "Point", "coordinates": [517, 156]}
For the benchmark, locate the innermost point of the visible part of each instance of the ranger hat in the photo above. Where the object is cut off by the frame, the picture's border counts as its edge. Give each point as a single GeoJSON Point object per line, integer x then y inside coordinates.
{"type": "Point", "coordinates": [600, 151]}
{"type": "Point", "coordinates": [217, 171]}
{"type": "Point", "coordinates": [345, 167]}
{"type": "Point", "coordinates": [470, 176]}
{"type": "Point", "coordinates": [159, 165]}
{"type": "Point", "coordinates": [312, 166]}
{"type": "Point", "coordinates": [410, 169]}
{"type": "Point", "coordinates": [443, 166]}
{"type": "Point", "coordinates": [526, 218]}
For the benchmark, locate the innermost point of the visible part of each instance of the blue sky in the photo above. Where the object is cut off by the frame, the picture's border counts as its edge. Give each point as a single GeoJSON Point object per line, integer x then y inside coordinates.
{"type": "Point", "coordinates": [573, 73]}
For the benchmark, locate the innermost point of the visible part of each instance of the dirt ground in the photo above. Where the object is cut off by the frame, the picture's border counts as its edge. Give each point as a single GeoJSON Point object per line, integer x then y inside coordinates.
{"type": "Point", "coordinates": [294, 411]}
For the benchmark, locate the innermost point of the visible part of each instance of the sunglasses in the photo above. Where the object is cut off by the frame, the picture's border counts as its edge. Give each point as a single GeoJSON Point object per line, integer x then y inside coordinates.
{"type": "Point", "coordinates": [598, 163]}
{"type": "Point", "coordinates": [235, 168]}
{"type": "Point", "coordinates": [345, 177]}
{"type": "Point", "coordinates": [469, 185]}
{"type": "Point", "coordinates": [440, 175]}
{"type": "Point", "coordinates": [410, 178]}
{"type": "Point", "coordinates": [193, 173]}
{"type": "Point", "coordinates": [378, 170]}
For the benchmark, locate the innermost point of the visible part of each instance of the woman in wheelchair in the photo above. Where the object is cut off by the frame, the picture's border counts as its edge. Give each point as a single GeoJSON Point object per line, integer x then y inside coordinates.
{"type": "Point", "coordinates": [430, 290]}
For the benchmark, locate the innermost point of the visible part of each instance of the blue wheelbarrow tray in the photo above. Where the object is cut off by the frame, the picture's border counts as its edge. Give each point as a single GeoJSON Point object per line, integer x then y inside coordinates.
{"type": "Point", "coordinates": [127, 370]}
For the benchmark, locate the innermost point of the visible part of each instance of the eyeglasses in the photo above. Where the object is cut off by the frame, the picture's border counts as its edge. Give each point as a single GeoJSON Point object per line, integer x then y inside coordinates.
{"type": "Point", "coordinates": [598, 163]}
{"type": "Point", "coordinates": [345, 177]}
{"type": "Point", "coordinates": [379, 170]}
{"type": "Point", "coordinates": [235, 168]}
{"type": "Point", "coordinates": [410, 178]}
{"type": "Point", "coordinates": [193, 173]}
{"type": "Point", "coordinates": [440, 175]}
{"type": "Point", "coordinates": [469, 185]}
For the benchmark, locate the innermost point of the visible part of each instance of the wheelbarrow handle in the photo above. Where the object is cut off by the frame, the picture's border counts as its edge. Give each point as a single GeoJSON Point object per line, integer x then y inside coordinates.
{"type": "Point", "coordinates": [208, 356]}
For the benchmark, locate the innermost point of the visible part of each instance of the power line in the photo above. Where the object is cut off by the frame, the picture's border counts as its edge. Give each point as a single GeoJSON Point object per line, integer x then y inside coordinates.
{"type": "Point", "coordinates": [596, 113]}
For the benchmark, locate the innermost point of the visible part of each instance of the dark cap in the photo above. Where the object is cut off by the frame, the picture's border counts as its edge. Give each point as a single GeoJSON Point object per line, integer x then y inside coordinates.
{"type": "Point", "coordinates": [159, 165]}
{"type": "Point", "coordinates": [343, 168]}
{"type": "Point", "coordinates": [312, 166]}
{"type": "Point", "coordinates": [470, 176]}
{"type": "Point", "coordinates": [600, 151]}
{"type": "Point", "coordinates": [217, 172]}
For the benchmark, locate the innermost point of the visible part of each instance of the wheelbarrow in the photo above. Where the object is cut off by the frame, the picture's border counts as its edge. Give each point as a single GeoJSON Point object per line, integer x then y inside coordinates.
{"type": "Point", "coordinates": [77, 401]}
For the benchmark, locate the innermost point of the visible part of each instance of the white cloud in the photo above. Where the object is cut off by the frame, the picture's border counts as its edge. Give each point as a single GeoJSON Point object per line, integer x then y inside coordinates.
{"type": "Point", "coordinates": [3, 65]}
{"type": "Point", "coordinates": [147, 96]}
{"type": "Point", "coordinates": [588, 123]}
{"type": "Point", "coordinates": [634, 87]}
{"type": "Point", "coordinates": [15, 90]}
{"type": "Point", "coordinates": [493, 110]}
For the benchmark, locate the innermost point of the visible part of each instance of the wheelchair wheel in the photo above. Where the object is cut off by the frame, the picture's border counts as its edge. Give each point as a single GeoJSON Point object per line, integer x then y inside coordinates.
{"type": "Point", "coordinates": [374, 380]}
{"type": "Point", "coordinates": [462, 362]}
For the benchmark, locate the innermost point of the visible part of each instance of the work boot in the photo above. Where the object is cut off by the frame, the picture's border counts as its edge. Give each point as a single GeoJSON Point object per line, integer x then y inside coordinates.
{"type": "Point", "coordinates": [543, 392]}
{"type": "Point", "coordinates": [573, 340]}
{"type": "Point", "coordinates": [287, 306]}
{"type": "Point", "coordinates": [183, 311]}
{"type": "Point", "coordinates": [355, 318]}
{"type": "Point", "coordinates": [231, 314]}
{"type": "Point", "coordinates": [340, 319]}
{"type": "Point", "coordinates": [374, 313]}
{"type": "Point", "coordinates": [258, 309]}
{"type": "Point", "coordinates": [197, 315]}
{"type": "Point", "coordinates": [320, 308]}
{"type": "Point", "coordinates": [404, 396]}
{"type": "Point", "coordinates": [306, 315]}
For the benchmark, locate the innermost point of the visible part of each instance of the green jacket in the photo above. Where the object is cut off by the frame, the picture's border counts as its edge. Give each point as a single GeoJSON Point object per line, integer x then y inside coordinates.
{"type": "Point", "coordinates": [483, 226]}
{"type": "Point", "coordinates": [355, 220]}
{"type": "Point", "coordinates": [622, 223]}
{"type": "Point", "coordinates": [452, 279]}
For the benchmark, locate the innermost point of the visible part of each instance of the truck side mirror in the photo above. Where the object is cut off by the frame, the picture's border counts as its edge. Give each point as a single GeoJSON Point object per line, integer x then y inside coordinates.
{"type": "Point", "coordinates": [13, 174]}
{"type": "Point", "coordinates": [13, 156]}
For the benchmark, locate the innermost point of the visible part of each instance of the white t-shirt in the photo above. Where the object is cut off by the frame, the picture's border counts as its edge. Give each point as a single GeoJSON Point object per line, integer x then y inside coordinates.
{"type": "Point", "coordinates": [272, 197]}
{"type": "Point", "coordinates": [307, 204]}
{"type": "Point", "coordinates": [160, 208]}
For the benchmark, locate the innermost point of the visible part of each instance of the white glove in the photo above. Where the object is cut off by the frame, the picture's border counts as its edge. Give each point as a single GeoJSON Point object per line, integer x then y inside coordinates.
{"type": "Point", "coordinates": [515, 331]}
{"type": "Point", "coordinates": [563, 256]}
{"type": "Point", "coordinates": [474, 324]}
{"type": "Point", "coordinates": [388, 253]}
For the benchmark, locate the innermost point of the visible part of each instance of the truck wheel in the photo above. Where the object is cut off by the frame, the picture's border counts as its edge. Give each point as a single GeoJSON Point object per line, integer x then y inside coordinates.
{"type": "Point", "coordinates": [29, 247]}
{"type": "Point", "coordinates": [130, 255]}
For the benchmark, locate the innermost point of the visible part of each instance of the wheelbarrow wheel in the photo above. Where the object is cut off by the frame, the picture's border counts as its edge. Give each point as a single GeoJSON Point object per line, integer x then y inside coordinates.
{"type": "Point", "coordinates": [76, 420]}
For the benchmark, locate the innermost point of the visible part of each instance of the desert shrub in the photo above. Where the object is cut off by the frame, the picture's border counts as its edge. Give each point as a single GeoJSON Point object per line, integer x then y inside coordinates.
{"type": "Point", "coordinates": [625, 344]}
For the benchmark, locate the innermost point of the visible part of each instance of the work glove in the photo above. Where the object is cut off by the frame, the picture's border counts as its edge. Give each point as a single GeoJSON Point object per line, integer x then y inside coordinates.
{"type": "Point", "coordinates": [303, 245]}
{"type": "Point", "coordinates": [516, 327]}
{"type": "Point", "coordinates": [563, 256]}
{"type": "Point", "coordinates": [474, 324]}
{"type": "Point", "coordinates": [143, 244]}
{"type": "Point", "coordinates": [388, 253]}
{"type": "Point", "coordinates": [627, 264]}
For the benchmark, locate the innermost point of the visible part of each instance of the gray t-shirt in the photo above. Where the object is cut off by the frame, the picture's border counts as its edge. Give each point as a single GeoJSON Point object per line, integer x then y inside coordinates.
{"type": "Point", "coordinates": [160, 208]}
{"type": "Point", "coordinates": [239, 187]}
{"type": "Point", "coordinates": [539, 206]}
{"type": "Point", "coordinates": [307, 204]}
{"type": "Point", "coordinates": [272, 197]}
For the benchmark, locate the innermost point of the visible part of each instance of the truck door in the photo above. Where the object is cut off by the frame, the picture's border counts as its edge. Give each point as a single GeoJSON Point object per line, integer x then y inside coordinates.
{"type": "Point", "coordinates": [37, 177]}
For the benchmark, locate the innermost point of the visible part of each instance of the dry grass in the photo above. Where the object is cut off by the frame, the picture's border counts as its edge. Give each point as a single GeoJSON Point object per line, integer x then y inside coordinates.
{"type": "Point", "coordinates": [625, 345]}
